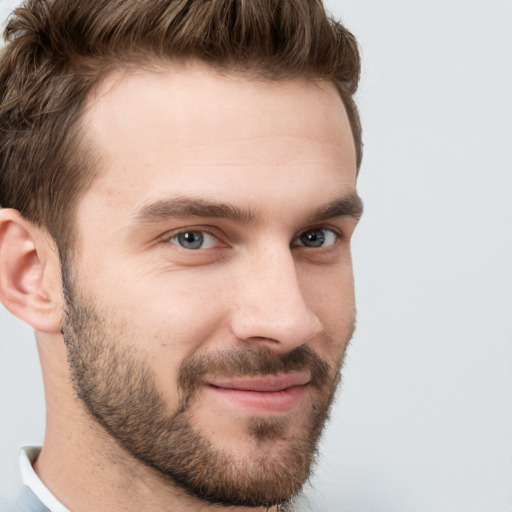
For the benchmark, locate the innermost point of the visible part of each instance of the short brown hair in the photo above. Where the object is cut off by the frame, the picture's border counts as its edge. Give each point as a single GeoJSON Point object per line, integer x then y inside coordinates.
{"type": "Point", "coordinates": [58, 51]}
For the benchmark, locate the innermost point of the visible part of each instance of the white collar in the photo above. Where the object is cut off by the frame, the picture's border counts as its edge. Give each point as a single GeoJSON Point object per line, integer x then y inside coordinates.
{"type": "Point", "coordinates": [28, 455]}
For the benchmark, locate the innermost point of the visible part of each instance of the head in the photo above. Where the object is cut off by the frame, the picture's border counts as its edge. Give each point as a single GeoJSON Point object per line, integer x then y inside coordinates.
{"type": "Point", "coordinates": [189, 167]}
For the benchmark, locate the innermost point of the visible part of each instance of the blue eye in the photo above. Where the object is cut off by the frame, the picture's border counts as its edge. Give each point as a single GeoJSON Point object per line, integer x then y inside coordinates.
{"type": "Point", "coordinates": [317, 238]}
{"type": "Point", "coordinates": [194, 240]}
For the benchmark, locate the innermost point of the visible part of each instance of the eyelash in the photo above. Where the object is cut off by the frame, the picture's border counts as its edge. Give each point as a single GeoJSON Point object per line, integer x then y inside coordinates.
{"type": "Point", "coordinates": [294, 243]}
{"type": "Point", "coordinates": [192, 231]}
{"type": "Point", "coordinates": [335, 233]}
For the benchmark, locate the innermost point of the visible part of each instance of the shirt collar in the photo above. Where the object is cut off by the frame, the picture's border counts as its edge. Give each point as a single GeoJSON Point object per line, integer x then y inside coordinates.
{"type": "Point", "coordinates": [28, 455]}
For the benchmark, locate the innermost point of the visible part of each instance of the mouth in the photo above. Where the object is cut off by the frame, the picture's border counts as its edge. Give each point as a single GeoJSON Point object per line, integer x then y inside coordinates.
{"type": "Point", "coordinates": [270, 394]}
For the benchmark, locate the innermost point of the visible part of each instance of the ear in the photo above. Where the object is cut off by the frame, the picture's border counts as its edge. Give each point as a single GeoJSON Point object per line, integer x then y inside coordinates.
{"type": "Point", "coordinates": [30, 278]}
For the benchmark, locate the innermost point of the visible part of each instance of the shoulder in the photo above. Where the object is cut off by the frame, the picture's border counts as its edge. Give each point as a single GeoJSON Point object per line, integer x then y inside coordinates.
{"type": "Point", "coordinates": [22, 500]}
{"type": "Point", "coordinates": [298, 504]}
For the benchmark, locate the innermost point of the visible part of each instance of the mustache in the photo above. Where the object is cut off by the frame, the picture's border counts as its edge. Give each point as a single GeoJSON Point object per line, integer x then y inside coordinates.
{"type": "Point", "coordinates": [261, 361]}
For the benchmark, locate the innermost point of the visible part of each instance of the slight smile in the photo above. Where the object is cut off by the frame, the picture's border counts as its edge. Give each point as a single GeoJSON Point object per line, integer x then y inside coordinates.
{"type": "Point", "coordinates": [270, 394]}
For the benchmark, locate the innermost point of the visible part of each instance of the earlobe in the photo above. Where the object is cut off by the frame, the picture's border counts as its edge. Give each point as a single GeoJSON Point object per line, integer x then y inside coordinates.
{"type": "Point", "coordinates": [26, 260]}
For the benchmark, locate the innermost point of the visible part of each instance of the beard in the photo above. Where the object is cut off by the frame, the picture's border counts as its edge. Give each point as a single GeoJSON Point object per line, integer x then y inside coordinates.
{"type": "Point", "coordinates": [118, 387]}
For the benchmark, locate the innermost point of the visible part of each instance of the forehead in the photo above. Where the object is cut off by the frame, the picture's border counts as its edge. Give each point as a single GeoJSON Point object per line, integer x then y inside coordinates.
{"type": "Point", "coordinates": [192, 130]}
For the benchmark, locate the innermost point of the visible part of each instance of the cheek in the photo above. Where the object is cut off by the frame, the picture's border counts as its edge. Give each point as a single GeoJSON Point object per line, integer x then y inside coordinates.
{"type": "Point", "coordinates": [171, 305]}
{"type": "Point", "coordinates": [178, 321]}
{"type": "Point", "coordinates": [164, 319]}
{"type": "Point", "coordinates": [329, 293]}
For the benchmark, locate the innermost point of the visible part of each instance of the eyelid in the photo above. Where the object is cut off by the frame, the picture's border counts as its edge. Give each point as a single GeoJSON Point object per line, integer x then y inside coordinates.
{"type": "Point", "coordinates": [339, 235]}
{"type": "Point", "coordinates": [169, 235]}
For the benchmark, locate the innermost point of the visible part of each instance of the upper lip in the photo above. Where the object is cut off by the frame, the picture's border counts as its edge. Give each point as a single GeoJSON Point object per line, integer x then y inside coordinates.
{"type": "Point", "coordinates": [262, 383]}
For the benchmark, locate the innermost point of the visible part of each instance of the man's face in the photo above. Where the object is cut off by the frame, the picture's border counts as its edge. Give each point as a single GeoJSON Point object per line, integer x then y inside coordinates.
{"type": "Point", "coordinates": [210, 296]}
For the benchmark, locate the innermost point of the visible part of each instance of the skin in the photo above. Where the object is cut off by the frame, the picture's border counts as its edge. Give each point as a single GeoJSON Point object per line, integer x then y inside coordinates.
{"type": "Point", "coordinates": [279, 152]}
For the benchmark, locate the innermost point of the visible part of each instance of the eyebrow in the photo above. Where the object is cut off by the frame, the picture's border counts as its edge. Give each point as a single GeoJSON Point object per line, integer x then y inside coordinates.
{"type": "Point", "coordinates": [350, 205]}
{"type": "Point", "coordinates": [183, 207]}
{"type": "Point", "coordinates": [188, 207]}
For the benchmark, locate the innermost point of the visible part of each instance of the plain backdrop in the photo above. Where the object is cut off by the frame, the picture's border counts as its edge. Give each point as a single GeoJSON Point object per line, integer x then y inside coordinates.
{"type": "Point", "coordinates": [423, 421]}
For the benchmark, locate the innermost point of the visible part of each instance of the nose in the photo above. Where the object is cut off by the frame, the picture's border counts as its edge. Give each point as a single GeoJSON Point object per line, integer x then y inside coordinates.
{"type": "Point", "coordinates": [270, 304]}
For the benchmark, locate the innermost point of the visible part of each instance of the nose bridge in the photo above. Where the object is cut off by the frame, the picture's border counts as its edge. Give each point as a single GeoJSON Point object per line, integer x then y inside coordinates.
{"type": "Point", "coordinates": [271, 304]}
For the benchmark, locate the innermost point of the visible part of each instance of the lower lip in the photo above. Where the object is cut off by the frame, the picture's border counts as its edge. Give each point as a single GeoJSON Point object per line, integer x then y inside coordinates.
{"type": "Point", "coordinates": [269, 402]}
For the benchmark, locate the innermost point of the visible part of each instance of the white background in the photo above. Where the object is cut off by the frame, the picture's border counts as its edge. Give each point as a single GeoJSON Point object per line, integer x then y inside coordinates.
{"type": "Point", "coordinates": [424, 418]}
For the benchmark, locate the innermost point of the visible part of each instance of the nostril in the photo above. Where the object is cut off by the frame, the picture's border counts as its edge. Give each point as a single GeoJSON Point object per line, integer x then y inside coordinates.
{"type": "Point", "coordinates": [276, 325]}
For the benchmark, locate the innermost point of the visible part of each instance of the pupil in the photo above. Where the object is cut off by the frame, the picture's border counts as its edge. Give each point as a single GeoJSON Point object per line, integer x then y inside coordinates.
{"type": "Point", "coordinates": [191, 240]}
